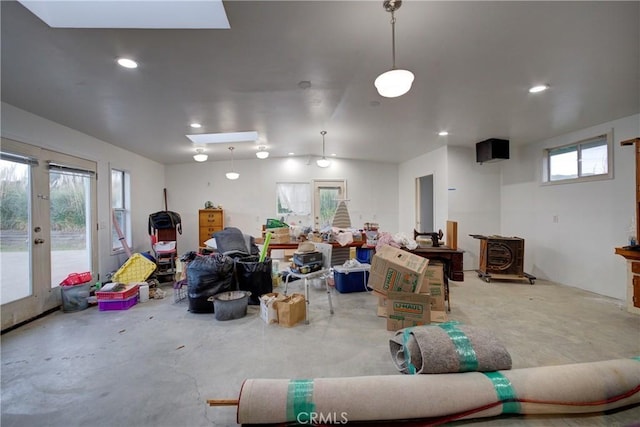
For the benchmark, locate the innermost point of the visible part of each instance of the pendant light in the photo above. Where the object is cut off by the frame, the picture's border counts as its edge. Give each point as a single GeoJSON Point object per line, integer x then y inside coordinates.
{"type": "Point", "coordinates": [262, 152]}
{"type": "Point", "coordinates": [323, 162]}
{"type": "Point", "coordinates": [200, 156]}
{"type": "Point", "coordinates": [395, 82]}
{"type": "Point", "coordinates": [232, 175]}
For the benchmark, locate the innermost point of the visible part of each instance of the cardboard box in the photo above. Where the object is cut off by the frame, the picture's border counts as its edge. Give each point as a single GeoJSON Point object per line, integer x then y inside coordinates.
{"type": "Point", "coordinates": [439, 316]}
{"type": "Point", "coordinates": [291, 310]}
{"type": "Point", "coordinates": [394, 269]}
{"type": "Point", "coordinates": [268, 311]}
{"type": "Point", "coordinates": [406, 309]}
{"type": "Point", "coordinates": [433, 284]}
{"type": "Point", "coordinates": [382, 304]}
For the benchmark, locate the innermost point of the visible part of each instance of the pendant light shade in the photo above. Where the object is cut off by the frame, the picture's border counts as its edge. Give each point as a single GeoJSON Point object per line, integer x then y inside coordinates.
{"type": "Point", "coordinates": [200, 156]}
{"type": "Point", "coordinates": [262, 152]}
{"type": "Point", "coordinates": [395, 82]}
{"type": "Point", "coordinates": [323, 162]}
{"type": "Point", "coordinates": [232, 175]}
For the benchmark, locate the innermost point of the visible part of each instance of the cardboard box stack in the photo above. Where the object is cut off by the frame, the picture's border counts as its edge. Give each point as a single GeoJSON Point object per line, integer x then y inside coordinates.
{"type": "Point", "coordinates": [397, 277]}
{"type": "Point", "coordinates": [278, 235]}
{"type": "Point", "coordinates": [434, 285]}
{"type": "Point", "coordinates": [284, 310]}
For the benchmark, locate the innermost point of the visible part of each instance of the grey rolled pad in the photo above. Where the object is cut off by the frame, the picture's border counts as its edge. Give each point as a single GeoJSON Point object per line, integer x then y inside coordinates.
{"type": "Point", "coordinates": [447, 348]}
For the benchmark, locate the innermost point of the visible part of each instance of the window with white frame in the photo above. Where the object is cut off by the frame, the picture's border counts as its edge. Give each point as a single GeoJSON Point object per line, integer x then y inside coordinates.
{"type": "Point", "coordinates": [585, 160]}
{"type": "Point", "coordinates": [293, 198]}
{"type": "Point", "coordinates": [121, 206]}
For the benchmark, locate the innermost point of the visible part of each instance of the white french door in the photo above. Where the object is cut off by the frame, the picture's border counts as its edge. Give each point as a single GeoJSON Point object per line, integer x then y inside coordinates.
{"type": "Point", "coordinates": [47, 227]}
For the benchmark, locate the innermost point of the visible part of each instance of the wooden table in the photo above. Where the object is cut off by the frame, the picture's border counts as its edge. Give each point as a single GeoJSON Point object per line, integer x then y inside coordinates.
{"type": "Point", "coordinates": [452, 260]}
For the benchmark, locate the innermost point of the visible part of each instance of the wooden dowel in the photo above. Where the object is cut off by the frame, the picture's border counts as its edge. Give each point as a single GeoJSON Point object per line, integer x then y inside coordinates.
{"type": "Point", "coordinates": [223, 402]}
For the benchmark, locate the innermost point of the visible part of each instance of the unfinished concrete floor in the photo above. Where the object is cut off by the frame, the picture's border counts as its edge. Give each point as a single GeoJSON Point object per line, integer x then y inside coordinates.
{"type": "Point", "coordinates": [156, 364]}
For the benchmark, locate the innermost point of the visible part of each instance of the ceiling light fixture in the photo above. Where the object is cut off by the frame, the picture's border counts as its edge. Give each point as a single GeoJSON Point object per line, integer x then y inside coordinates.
{"type": "Point", "coordinates": [195, 125]}
{"type": "Point", "coordinates": [395, 82]}
{"type": "Point", "coordinates": [443, 133]}
{"type": "Point", "coordinates": [232, 175]}
{"type": "Point", "coordinates": [127, 63]}
{"type": "Point", "coordinates": [200, 156]}
{"type": "Point", "coordinates": [262, 152]}
{"type": "Point", "coordinates": [323, 162]}
{"type": "Point", "coordinates": [538, 88]}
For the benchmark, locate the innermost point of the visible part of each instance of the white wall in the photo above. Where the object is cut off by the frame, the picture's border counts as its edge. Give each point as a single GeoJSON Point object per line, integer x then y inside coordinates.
{"type": "Point", "coordinates": [593, 217]}
{"type": "Point", "coordinates": [250, 200]}
{"type": "Point", "coordinates": [147, 177]}
{"type": "Point", "coordinates": [474, 200]}
{"type": "Point", "coordinates": [433, 163]}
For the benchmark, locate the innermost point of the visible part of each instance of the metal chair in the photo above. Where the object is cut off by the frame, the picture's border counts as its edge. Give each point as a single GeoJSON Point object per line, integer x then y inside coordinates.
{"type": "Point", "coordinates": [322, 274]}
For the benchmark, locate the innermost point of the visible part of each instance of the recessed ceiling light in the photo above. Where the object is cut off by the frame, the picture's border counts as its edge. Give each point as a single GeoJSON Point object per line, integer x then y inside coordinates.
{"type": "Point", "coordinates": [127, 63]}
{"type": "Point", "coordinates": [195, 125]}
{"type": "Point", "coordinates": [223, 138]}
{"type": "Point", "coordinates": [443, 133]}
{"type": "Point", "coordinates": [539, 88]}
{"type": "Point", "coordinates": [292, 153]}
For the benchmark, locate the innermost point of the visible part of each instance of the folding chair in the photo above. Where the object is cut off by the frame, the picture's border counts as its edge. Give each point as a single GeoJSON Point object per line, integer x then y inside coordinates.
{"type": "Point", "coordinates": [322, 274]}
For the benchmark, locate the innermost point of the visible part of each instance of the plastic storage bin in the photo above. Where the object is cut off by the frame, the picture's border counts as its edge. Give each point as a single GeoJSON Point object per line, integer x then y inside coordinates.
{"type": "Point", "coordinates": [351, 279]}
{"type": "Point", "coordinates": [136, 269]}
{"type": "Point", "coordinates": [117, 304]}
{"type": "Point", "coordinates": [125, 293]}
{"type": "Point", "coordinates": [76, 297]}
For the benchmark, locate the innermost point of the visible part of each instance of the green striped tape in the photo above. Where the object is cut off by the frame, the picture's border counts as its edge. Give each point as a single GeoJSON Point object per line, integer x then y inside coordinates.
{"type": "Point", "coordinates": [505, 392]}
{"type": "Point", "coordinates": [407, 354]}
{"type": "Point", "coordinates": [300, 401]}
{"type": "Point", "coordinates": [466, 353]}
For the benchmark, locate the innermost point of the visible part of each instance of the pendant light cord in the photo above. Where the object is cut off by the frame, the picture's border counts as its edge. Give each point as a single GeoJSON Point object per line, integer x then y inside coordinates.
{"type": "Point", "coordinates": [393, 39]}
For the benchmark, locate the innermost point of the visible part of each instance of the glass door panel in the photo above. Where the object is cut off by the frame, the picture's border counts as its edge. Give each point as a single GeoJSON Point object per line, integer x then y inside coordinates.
{"type": "Point", "coordinates": [15, 242]}
{"type": "Point", "coordinates": [70, 232]}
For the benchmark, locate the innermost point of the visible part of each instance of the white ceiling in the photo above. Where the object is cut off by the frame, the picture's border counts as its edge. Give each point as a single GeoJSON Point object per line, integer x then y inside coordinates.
{"type": "Point", "coordinates": [473, 63]}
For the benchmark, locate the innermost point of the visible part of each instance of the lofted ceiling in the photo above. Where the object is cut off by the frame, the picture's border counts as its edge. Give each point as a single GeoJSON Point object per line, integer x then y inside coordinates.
{"type": "Point", "coordinates": [473, 62]}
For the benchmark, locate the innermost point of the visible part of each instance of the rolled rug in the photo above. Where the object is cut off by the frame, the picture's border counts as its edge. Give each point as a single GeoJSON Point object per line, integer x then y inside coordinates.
{"type": "Point", "coordinates": [446, 348]}
{"type": "Point", "coordinates": [572, 389]}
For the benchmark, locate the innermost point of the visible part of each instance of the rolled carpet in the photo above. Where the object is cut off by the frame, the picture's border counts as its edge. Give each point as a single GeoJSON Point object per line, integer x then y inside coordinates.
{"type": "Point", "coordinates": [446, 348]}
{"type": "Point", "coordinates": [574, 388]}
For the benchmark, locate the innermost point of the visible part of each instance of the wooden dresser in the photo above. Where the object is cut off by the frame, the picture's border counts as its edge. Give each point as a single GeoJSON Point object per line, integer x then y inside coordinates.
{"type": "Point", "coordinates": [632, 254]}
{"type": "Point", "coordinates": [209, 221]}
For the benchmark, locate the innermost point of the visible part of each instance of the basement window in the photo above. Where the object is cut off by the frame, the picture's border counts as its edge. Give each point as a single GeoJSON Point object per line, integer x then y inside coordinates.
{"type": "Point", "coordinates": [585, 160]}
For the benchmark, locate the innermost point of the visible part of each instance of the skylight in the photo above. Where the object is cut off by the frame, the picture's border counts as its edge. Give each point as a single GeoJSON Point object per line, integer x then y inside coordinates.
{"type": "Point", "coordinates": [209, 14]}
{"type": "Point", "coordinates": [223, 138]}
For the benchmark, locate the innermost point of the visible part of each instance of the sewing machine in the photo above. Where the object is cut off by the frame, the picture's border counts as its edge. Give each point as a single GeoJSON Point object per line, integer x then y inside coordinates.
{"type": "Point", "coordinates": [435, 237]}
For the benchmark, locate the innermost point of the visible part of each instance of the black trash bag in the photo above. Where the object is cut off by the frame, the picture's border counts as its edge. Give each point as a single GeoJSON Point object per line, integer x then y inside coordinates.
{"type": "Point", "coordinates": [207, 276]}
{"type": "Point", "coordinates": [254, 276]}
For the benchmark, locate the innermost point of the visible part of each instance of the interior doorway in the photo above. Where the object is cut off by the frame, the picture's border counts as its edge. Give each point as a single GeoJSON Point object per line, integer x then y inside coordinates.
{"type": "Point", "coordinates": [424, 204]}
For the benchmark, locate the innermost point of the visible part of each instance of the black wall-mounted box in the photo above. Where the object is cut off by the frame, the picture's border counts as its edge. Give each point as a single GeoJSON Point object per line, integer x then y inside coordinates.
{"type": "Point", "coordinates": [492, 150]}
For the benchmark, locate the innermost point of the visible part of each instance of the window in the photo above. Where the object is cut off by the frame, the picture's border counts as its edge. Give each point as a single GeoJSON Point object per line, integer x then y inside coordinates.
{"type": "Point", "coordinates": [294, 198]}
{"type": "Point", "coordinates": [121, 205]}
{"type": "Point", "coordinates": [581, 161]}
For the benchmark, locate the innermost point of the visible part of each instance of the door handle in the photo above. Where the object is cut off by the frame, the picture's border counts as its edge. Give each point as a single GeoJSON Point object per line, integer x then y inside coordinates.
{"type": "Point", "coordinates": [38, 241]}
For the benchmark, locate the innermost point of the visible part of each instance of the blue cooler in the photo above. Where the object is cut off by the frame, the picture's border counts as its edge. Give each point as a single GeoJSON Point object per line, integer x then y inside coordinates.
{"type": "Point", "coordinates": [351, 279]}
